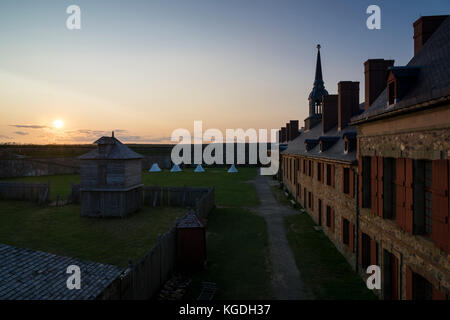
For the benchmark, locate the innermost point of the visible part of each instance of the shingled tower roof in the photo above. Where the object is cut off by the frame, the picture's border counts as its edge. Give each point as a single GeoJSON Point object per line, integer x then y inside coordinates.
{"type": "Point", "coordinates": [318, 90]}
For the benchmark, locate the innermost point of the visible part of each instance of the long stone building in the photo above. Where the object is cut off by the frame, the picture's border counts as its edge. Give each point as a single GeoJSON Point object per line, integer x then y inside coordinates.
{"type": "Point", "coordinates": [375, 175]}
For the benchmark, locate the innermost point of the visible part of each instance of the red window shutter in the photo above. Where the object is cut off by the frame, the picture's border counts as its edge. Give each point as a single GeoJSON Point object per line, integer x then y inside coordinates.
{"type": "Point", "coordinates": [374, 184]}
{"type": "Point", "coordinates": [394, 272]}
{"type": "Point", "coordinates": [360, 248]}
{"type": "Point", "coordinates": [323, 172]}
{"type": "Point", "coordinates": [360, 170]}
{"type": "Point", "coordinates": [380, 186]}
{"type": "Point", "coordinates": [332, 220]}
{"type": "Point", "coordinates": [373, 252]}
{"type": "Point", "coordinates": [440, 205]}
{"type": "Point", "coordinates": [409, 284]}
{"type": "Point", "coordinates": [312, 169]}
{"type": "Point", "coordinates": [351, 186]}
{"type": "Point", "coordinates": [332, 175]}
{"type": "Point", "coordinates": [409, 214]}
{"type": "Point", "coordinates": [352, 235]}
{"type": "Point", "coordinates": [400, 192]}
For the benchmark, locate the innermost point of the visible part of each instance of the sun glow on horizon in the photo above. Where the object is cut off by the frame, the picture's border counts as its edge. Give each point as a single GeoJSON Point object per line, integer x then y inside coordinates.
{"type": "Point", "coordinates": [58, 124]}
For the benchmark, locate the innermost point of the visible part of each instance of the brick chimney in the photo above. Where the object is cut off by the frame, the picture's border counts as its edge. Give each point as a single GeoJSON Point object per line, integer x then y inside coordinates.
{"type": "Point", "coordinates": [348, 102]}
{"type": "Point", "coordinates": [293, 129]}
{"type": "Point", "coordinates": [329, 112]}
{"type": "Point", "coordinates": [375, 74]}
{"type": "Point", "coordinates": [288, 132]}
{"type": "Point", "coordinates": [424, 28]}
{"type": "Point", "coordinates": [283, 134]}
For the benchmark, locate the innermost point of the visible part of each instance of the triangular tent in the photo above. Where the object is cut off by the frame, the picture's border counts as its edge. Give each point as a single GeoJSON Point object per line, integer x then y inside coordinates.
{"type": "Point", "coordinates": [199, 168]}
{"type": "Point", "coordinates": [175, 168]}
{"type": "Point", "coordinates": [155, 168]}
{"type": "Point", "coordinates": [232, 169]}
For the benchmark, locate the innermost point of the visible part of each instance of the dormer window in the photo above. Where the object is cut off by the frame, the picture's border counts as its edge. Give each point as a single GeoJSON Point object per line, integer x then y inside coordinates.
{"type": "Point", "coordinates": [320, 146]}
{"type": "Point", "coordinates": [392, 96]}
{"type": "Point", "coordinates": [346, 146]}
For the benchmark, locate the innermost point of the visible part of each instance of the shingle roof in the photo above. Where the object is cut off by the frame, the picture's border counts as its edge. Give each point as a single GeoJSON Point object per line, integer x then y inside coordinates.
{"type": "Point", "coordinates": [334, 152]}
{"type": "Point", "coordinates": [433, 79]}
{"type": "Point", "coordinates": [114, 150]}
{"type": "Point", "coordinates": [35, 275]}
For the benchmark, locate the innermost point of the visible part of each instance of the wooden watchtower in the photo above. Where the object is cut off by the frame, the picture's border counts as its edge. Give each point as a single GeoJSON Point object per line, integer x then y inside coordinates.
{"type": "Point", "coordinates": [111, 180]}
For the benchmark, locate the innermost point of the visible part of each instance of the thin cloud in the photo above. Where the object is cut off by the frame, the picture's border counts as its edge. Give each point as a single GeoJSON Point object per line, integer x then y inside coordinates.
{"type": "Point", "coordinates": [32, 126]}
{"type": "Point", "coordinates": [21, 133]}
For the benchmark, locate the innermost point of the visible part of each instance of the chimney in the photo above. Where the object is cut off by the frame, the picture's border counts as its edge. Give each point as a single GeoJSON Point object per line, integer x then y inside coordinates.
{"type": "Point", "coordinates": [424, 28]}
{"type": "Point", "coordinates": [348, 102]}
{"type": "Point", "coordinates": [283, 134]}
{"type": "Point", "coordinates": [288, 132]}
{"type": "Point", "coordinates": [375, 74]}
{"type": "Point", "coordinates": [293, 128]}
{"type": "Point", "coordinates": [329, 112]}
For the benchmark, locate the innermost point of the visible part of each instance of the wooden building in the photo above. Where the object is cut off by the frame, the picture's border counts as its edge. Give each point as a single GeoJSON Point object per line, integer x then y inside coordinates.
{"type": "Point", "coordinates": [111, 180]}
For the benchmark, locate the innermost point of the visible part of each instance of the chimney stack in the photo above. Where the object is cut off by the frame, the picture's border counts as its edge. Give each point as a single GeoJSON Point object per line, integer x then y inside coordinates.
{"type": "Point", "coordinates": [348, 102]}
{"type": "Point", "coordinates": [329, 112]}
{"type": "Point", "coordinates": [283, 134]}
{"type": "Point", "coordinates": [293, 129]}
{"type": "Point", "coordinates": [288, 132]}
{"type": "Point", "coordinates": [375, 74]}
{"type": "Point", "coordinates": [424, 28]}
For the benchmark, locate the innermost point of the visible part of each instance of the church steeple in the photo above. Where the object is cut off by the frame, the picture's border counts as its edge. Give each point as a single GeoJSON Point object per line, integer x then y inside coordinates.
{"type": "Point", "coordinates": [318, 91]}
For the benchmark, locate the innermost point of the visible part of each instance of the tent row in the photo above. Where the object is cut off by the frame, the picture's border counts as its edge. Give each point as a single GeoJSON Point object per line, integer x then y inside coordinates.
{"type": "Point", "coordinates": [176, 168]}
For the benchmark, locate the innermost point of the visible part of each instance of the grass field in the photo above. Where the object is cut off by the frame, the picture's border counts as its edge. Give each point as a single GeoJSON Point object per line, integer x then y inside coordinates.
{"type": "Point", "coordinates": [231, 189]}
{"type": "Point", "coordinates": [61, 230]}
{"type": "Point", "coordinates": [322, 267]}
{"type": "Point", "coordinates": [236, 251]}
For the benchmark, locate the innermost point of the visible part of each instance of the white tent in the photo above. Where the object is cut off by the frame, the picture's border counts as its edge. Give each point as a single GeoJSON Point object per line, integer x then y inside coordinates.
{"type": "Point", "coordinates": [232, 169]}
{"type": "Point", "coordinates": [175, 168]}
{"type": "Point", "coordinates": [155, 168]}
{"type": "Point", "coordinates": [199, 168]}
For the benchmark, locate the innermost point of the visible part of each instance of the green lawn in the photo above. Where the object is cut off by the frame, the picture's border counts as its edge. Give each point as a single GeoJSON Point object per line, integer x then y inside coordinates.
{"type": "Point", "coordinates": [236, 252]}
{"type": "Point", "coordinates": [61, 230]}
{"type": "Point", "coordinates": [232, 189]}
{"type": "Point", "coordinates": [323, 268]}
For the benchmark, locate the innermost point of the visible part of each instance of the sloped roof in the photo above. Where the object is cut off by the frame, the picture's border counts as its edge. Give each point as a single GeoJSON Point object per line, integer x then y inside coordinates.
{"type": "Point", "coordinates": [114, 150]}
{"type": "Point", "coordinates": [433, 79]}
{"type": "Point", "coordinates": [334, 152]}
{"type": "Point", "coordinates": [35, 275]}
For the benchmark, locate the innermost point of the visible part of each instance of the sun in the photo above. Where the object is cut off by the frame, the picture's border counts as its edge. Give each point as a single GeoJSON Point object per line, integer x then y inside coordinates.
{"type": "Point", "coordinates": [58, 124]}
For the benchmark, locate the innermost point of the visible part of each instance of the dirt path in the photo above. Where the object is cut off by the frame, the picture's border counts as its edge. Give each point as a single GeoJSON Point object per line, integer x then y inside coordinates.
{"type": "Point", "coordinates": [286, 279]}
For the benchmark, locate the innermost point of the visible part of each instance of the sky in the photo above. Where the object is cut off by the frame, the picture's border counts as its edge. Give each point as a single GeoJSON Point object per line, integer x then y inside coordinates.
{"type": "Point", "coordinates": [147, 67]}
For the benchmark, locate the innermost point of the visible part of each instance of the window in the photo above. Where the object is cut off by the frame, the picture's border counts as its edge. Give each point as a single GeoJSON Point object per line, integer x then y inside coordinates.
{"type": "Point", "coordinates": [365, 248]}
{"type": "Point", "coordinates": [309, 199]}
{"type": "Point", "coordinates": [304, 198]}
{"type": "Point", "coordinates": [345, 231]}
{"type": "Point", "coordinates": [423, 205]}
{"type": "Point", "coordinates": [389, 188]}
{"type": "Point", "coordinates": [319, 171]}
{"type": "Point", "coordinates": [422, 289]}
{"type": "Point", "coordinates": [391, 92]}
{"type": "Point", "coordinates": [346, 146]}
{"type": "Point", "coordinates": [329, 174]}
{"type": "Point", "coordinates": [346, 180]}
{"type": "Point", "coordinates": [328, 216]}
{"type": "Point", "coordinates": [366, 185]}
{"type": "Point", "coordinates": [304, 166]}
{"type": "Point", "coordinates": [309, 168]}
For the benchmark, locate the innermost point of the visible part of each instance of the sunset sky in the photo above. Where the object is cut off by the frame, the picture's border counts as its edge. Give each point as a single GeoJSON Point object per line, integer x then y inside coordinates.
{"type": "Point", "coordinates": [146, 68]}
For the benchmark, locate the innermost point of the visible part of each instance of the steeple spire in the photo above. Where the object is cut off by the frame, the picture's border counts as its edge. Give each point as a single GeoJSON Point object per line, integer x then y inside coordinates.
{"type": "Point", "coordinates": [318, 91]}
{"type": "Point", "coordinates": [318, 78]}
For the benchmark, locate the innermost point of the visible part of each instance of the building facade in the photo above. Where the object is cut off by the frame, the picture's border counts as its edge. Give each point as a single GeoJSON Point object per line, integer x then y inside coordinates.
{"type": "Point", "coordinates": [383, 177]}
